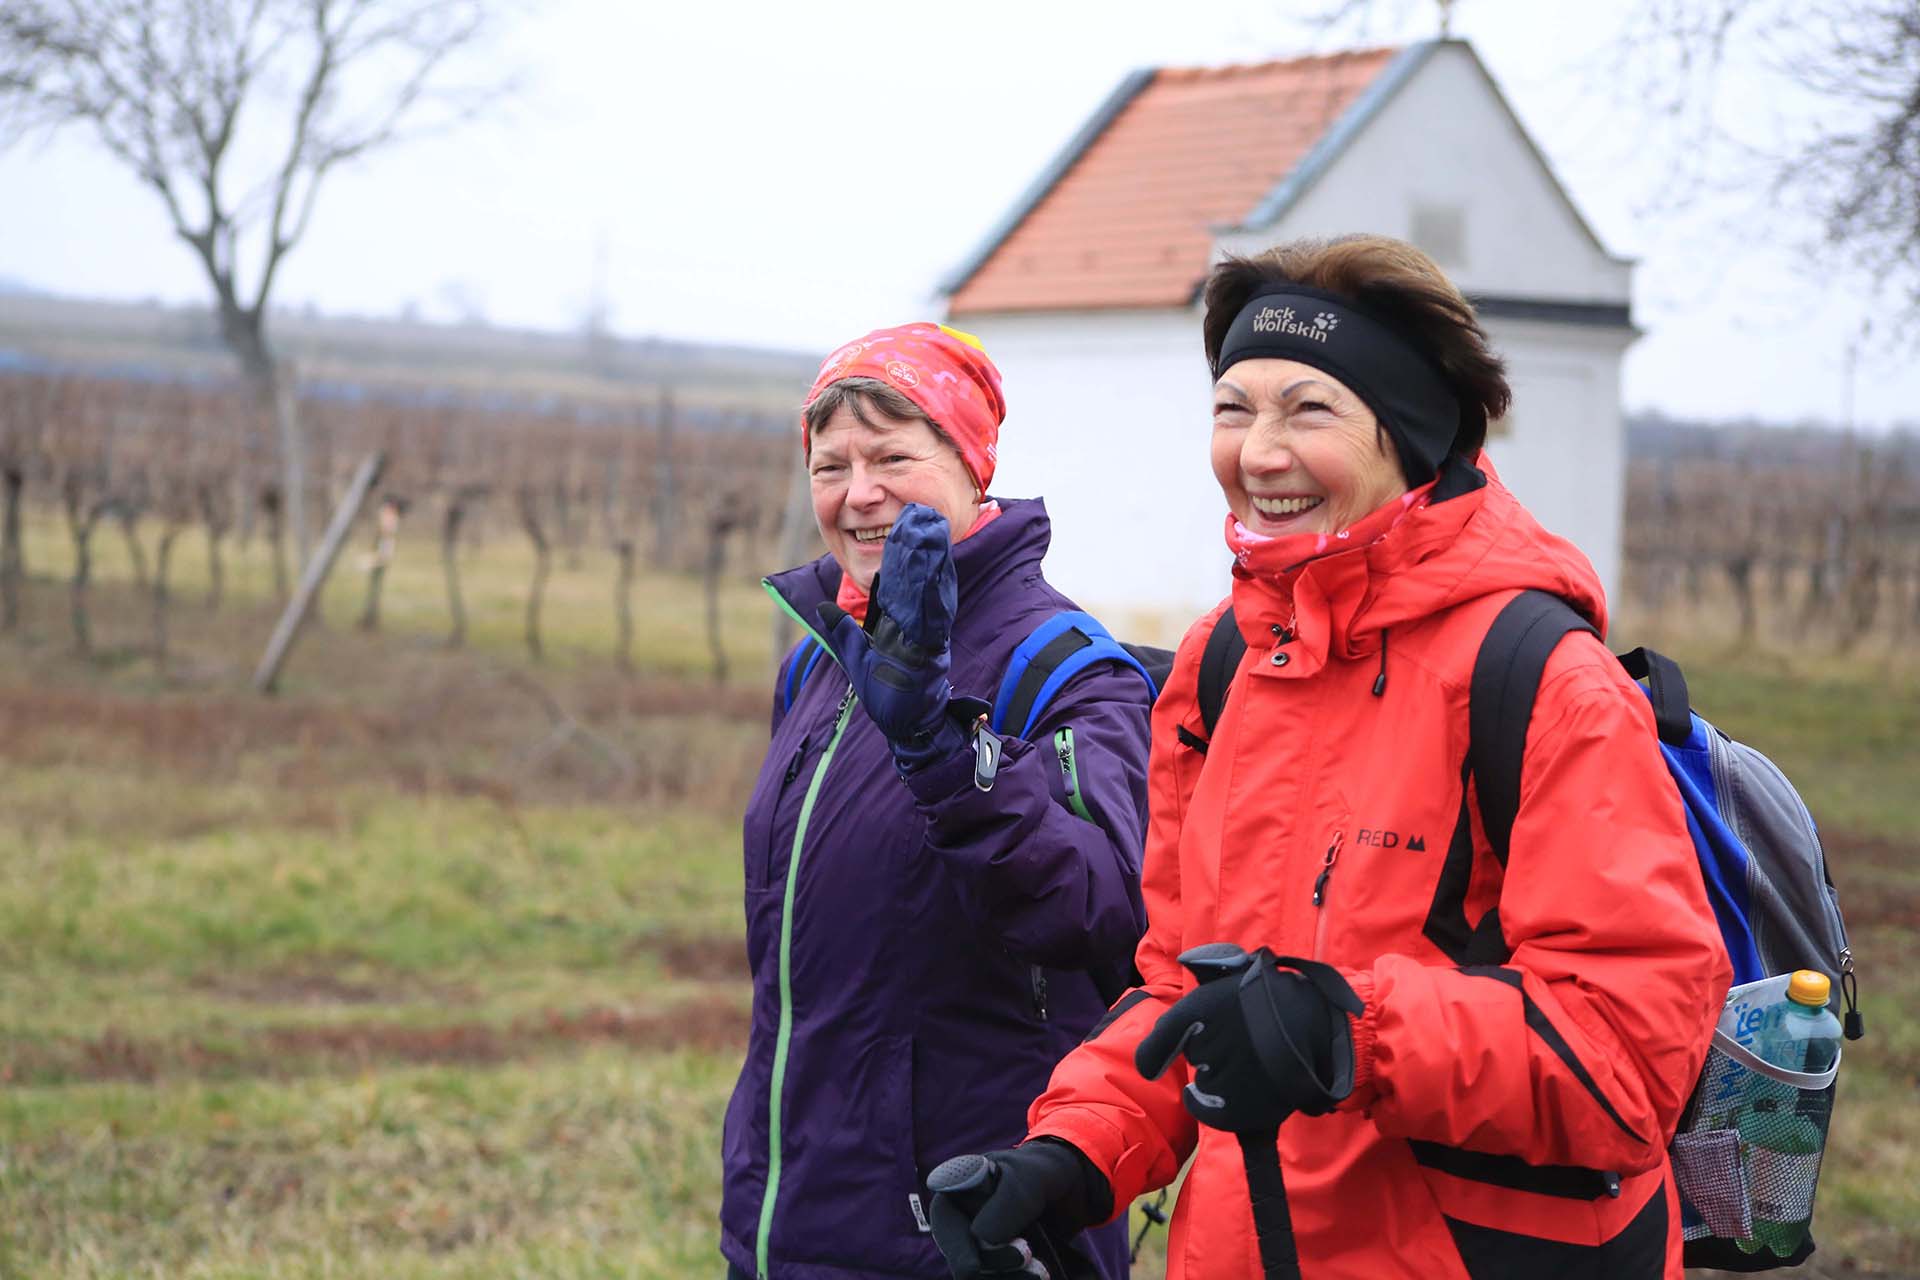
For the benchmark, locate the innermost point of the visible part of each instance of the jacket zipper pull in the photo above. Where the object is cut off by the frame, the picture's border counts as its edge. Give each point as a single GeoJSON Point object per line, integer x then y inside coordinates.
{"type": "Point", "coordinates": [1856, 1026]}
{"type": "Point", "coordinates": [987, 750]}
{"type": "Point", "coordinates": [1326, 869]}
{"type": "Point", "coordinates": [793, 765]}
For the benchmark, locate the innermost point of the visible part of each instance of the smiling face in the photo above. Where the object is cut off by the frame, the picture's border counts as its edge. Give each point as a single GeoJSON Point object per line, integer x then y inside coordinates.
{"type": "Point", "coordinates": [863, 475]}
{"type": "Point", "coordinates": [1296, 451]}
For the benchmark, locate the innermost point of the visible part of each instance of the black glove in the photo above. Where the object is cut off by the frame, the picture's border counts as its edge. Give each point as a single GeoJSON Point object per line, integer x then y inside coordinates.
{"type": "Point", "coordinates": [1043, 1191]}
{"type": "Point", "coordinates": [898, 662]}
{"type": "Point", "coordinates": [1265, 1041]}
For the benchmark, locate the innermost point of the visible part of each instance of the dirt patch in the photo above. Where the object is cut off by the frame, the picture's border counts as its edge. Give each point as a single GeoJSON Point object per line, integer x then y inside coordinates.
{"type": "Point", "coordinates": [458, 726]}
{"type": "Point", "coordinates": [1879, 880]}
{"type": "Point", "coordinates": [38, 722]}
{"type": "Point", "coordinates": [692, 958]}
{"type": "Point", "coordinates": [1845, 850]}
{"type": "Point", "coordinates": [356, 1046]}
{"type": "Point", "coordinates": [300, 988]}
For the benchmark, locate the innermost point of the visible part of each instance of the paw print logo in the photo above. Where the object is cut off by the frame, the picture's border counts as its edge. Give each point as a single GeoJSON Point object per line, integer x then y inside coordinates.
{"type": "Point", "coordinates": [1326, 322]}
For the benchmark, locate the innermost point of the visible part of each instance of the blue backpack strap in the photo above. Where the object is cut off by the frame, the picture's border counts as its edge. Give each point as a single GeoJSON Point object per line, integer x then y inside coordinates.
{"type": "Point", "coordinates": [806, 656]}
{"type": "Point", "coordinates": [1053, 653]}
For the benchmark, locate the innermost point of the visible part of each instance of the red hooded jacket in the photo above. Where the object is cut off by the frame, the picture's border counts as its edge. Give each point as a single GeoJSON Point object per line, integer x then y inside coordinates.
{"type": "Point", "coordinates": [1507, 1118]}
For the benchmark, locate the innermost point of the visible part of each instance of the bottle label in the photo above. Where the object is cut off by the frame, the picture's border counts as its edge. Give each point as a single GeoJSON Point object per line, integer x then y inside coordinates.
{"type": "Point", "coordinates": [1783, 1184]}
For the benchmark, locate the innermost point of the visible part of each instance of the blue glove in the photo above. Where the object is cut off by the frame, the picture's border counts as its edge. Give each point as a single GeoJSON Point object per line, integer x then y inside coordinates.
{"type": "Point", "coordinates": [899, 662]}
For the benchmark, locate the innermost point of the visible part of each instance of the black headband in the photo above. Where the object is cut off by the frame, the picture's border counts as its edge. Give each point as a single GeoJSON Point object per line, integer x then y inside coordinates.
{"type": "Point", "coordinates": [1406, 393]}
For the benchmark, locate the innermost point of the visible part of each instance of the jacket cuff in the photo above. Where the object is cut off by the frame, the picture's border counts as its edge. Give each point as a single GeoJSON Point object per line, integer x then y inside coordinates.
{"type": "Point", "coordinates": [935, 747]}
{"type": "Point", "coordinates": [943, 776]}
{"type": "Point", "coordinates": [1095, 1205]}
{"type": "Point", "coordinates": [1365, 1029]}
{"type": "Point", "coordinates": [1095, 1140]}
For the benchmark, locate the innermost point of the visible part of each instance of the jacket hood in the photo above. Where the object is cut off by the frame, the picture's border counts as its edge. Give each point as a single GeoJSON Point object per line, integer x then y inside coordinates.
{"type": "Point", "coordinates": [1468, 538]}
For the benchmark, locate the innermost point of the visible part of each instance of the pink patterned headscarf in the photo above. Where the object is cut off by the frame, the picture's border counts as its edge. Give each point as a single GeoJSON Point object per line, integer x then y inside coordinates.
{"type": "Point", "coordinates": [944, 371]}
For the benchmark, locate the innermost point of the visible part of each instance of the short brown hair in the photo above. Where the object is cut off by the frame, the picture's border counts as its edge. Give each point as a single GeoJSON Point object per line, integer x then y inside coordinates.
{"type": "Point", "coordinates": [1397, 285]}
{"type": "Point", "coordinates": [864, 396]}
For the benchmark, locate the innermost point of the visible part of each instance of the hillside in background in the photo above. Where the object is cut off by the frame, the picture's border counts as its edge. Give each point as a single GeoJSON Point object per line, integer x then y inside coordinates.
{"type": "Point", "coordinates": [1654, 437]}
{"type": "Point", "coordinates": [399, 357]}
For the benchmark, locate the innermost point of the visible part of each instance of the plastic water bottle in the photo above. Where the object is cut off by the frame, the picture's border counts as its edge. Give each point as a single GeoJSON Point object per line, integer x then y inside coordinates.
{"type": "Point", "coordinates": [1784, 1146]}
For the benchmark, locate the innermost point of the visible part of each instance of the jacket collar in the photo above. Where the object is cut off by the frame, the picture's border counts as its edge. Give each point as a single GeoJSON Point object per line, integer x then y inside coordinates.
{"type": "Point", "coordinates": [1466, 538]}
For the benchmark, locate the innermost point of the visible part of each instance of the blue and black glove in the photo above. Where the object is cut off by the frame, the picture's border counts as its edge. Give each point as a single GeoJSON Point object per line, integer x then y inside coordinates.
{"type": "Point", "coordinates": [898, 662]}
{"type": "Point", "coordinates": [1267, 1036]}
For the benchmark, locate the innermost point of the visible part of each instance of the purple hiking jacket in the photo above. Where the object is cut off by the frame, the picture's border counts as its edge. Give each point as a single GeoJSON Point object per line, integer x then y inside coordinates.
{"type": "Point", "coordinates": [920, 951]}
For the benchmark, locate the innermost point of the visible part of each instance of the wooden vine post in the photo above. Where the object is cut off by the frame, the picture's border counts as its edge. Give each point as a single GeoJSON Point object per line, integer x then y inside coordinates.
{"type": "Point", "coordinates": [315, 576]}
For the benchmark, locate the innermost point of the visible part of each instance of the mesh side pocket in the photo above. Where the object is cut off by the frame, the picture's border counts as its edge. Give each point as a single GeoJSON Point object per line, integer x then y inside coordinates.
{"type": "Point", "coordinates": [1747, 1157]}
{"type": "Point", "coordinates": [1713, 1185]}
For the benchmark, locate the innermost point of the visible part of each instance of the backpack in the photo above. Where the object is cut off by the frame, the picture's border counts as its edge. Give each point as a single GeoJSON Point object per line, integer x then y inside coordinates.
{"type": "Point", "coordinates": [1760, 858]}
{"type": "Point", "coordinates": [1759, 854]}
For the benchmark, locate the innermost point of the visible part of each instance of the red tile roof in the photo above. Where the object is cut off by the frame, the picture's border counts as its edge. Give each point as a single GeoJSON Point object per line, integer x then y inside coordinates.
{"type": "Point", "coordinates": [1130, 222]}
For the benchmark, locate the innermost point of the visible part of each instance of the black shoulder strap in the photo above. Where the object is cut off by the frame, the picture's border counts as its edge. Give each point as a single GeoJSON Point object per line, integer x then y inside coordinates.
{"type": "Point", "coordinates": [1506, 675]}
{"type": "Point", "coordinates": [1672, 708]}
{"type": "Point", "coordinates": [1038, 669]}
{"type": "Point", "coordinates": [1218, 663]}
{"type": "Point", "coordinates": [1158, 662]}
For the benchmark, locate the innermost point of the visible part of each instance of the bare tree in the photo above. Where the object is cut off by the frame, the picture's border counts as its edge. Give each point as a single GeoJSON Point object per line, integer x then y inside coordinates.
{"type": "Point", "coordinates": [1807, 110]}
{"type": "Point", "coordinates": [214, 497]}
{"type": "Point", "coordinates": [722, 521]}
{"type": "Point", "coordinates": [527, 503]}
{"type": "Point", "coordinates": [461, 499]}
{"type": "Point", "coordinates": [624, 460]}
{"type": "Point", "coordinates": [233, 112]}
{"type": "Point", "coordinates": [174, 505]}
{"type": "Point", "coordinates": [386, 543]}
{"type": "Point", "coordinates": [667, 512]}
{"type": "Point", "coordinates": [21, 414]}
{"type": "Point", "coordinates": [1843, 146]}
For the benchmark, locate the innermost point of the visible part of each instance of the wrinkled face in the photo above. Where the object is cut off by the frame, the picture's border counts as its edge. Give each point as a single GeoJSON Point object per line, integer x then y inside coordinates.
{"type": "Point", "coordinates": [1296, 451]}
{"type": "Point", "coordinates": [862, 476]}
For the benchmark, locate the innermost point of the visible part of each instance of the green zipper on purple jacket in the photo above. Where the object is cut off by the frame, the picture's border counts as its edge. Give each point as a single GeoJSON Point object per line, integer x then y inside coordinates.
{"type": "Point", "coordinates": [785, 1034]}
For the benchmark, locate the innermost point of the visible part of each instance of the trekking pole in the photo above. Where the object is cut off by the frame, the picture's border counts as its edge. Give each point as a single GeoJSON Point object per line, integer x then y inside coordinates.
{"type": "Point", "coordinates": [970, 1180]}
{"type": "Point", "coordinates": [1259, 1152]}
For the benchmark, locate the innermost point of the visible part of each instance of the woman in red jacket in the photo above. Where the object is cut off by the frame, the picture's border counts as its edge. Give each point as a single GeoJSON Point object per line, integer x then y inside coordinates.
{"type": "Point", "coordinates": [1473, 1064]}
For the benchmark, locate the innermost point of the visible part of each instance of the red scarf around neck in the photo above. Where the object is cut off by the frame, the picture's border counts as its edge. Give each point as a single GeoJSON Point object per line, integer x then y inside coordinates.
{"type": "Point", "coordinates": [853, 597]}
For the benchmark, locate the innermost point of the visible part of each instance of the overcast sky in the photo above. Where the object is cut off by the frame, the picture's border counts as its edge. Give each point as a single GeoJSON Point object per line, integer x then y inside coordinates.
{"type": "Point", "coordinates": [793, 174]}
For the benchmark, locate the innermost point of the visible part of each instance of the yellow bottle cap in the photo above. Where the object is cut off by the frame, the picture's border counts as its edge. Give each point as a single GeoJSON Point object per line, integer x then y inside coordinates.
{"type": "Point", "coordinates": [1809, 986]}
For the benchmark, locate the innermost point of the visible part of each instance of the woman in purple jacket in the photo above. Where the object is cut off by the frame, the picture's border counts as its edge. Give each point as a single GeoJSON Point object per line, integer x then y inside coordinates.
{"type": "Point", "coordinates": [932, 909]}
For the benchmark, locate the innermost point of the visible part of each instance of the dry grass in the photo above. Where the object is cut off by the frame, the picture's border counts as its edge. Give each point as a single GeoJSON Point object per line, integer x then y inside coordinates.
{"type": "Point", "coordinates": [431, 967]}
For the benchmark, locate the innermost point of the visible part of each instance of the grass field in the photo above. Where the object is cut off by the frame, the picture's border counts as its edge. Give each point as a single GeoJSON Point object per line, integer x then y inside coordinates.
{"type": "Point", "coordinates": [431, 967]}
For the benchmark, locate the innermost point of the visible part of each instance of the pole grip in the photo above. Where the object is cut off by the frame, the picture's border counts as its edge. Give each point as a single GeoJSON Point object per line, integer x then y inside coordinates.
{"type": "Point", "coordinates": [970, 1179]}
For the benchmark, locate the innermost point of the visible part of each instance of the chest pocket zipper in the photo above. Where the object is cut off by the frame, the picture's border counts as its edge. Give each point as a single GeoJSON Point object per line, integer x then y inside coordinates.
{"type": "Point", "coordinates": [1320, 886]}
{"type": "Point", "coordinates": [786, 780]}
{"type": "Point", "coordinates": [799, 754]}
